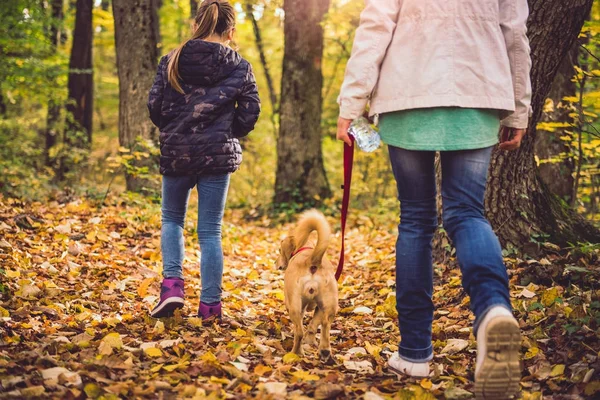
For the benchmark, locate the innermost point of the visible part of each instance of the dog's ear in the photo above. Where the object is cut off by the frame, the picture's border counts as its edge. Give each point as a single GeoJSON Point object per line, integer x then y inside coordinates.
{"type": "Point", "coordinates": [287, 249]}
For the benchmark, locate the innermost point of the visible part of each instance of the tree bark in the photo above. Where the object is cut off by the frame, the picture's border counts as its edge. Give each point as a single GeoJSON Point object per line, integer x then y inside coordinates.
{"type": "Point", "coordinates": [193, 8]}
{"type": "Point", "coordinates": [136, 46]}
{"type": "Point", "coordinates": [300, 175]}
{"type": "Point", "coordinates": [54, 106]}
{"type": "Point", "coordinates": [81, 79]}
{"type": "Point", "coordinates": [519, 205]}
{"type": "Point", "coordinates": [558, 176]}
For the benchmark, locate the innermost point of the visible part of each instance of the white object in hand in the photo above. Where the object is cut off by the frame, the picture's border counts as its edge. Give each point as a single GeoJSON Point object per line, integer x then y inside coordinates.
{"type": "Point", "coordinates": [367, 138]}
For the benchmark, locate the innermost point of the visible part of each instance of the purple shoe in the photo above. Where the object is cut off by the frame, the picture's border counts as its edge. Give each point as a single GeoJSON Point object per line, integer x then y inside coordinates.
{"type": "Point", "coordinates": [171, 298]}
{"type": "Point", "coordinates": [209, 311]}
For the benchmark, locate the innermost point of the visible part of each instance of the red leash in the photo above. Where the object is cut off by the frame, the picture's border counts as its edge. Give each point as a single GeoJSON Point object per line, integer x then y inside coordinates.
{"type": "Point", "coordinates": [348, 162]}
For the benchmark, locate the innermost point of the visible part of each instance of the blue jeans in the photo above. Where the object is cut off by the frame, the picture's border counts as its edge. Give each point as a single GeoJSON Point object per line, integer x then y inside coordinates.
{"type": "Point", "coordinates": [212, 195]}
{"type": "Point", "coordinates": [484, 277]}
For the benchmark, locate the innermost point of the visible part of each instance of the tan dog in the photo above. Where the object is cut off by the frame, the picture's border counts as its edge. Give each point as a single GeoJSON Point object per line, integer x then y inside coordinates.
{"type": "Point", "coordinates": [309, 282]}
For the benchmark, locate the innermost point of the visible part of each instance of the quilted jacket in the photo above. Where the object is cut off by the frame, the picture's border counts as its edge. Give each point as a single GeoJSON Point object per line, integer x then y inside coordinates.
{"type": "Point", "coordinates": [438, 53]}
{"type": "Point", "coordinates": [199, 129]}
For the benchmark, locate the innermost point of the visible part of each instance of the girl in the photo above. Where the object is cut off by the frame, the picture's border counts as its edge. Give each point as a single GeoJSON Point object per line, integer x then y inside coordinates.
{"type": "Point", "coordinates": [441, 74]}
{"type": "Point", "coordinates": [204, 99]}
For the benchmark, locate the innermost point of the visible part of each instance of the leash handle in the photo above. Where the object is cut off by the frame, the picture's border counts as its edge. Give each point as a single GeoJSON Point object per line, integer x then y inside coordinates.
{"type": "Point", "coordinates": [348, 162]}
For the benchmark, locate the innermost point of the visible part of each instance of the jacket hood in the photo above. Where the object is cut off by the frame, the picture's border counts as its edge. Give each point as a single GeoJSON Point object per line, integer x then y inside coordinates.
{"type": "Point", "coordinates": [206, 63]}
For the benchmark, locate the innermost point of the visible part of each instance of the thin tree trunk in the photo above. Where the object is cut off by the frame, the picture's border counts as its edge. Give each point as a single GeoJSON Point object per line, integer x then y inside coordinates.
{"type": "Point", "coordinates": [81, 79]}
{"type": "Point", "coordinates": [300, 175]}
{"type": "Point", "coordinates": [136, 46]}
{"type": "Point", "coordinates": [193, 8]}
{"type": "Point", "coordinates": [519, 205]}
{"type": "Point", "coordinates": [263, 61]}
{"type": "Point", "coordinates": [558, 176]}
{"type": "Point", "coordinates": [54, 106]}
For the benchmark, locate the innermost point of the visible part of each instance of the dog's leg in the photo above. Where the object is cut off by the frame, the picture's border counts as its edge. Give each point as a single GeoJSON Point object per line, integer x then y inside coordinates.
{"type": "Point", "coordinates": [311, 331]}
{"type": "Point", "coordinates": [296, 314]}
{"type": "Point", "coordinates": [324, 345]}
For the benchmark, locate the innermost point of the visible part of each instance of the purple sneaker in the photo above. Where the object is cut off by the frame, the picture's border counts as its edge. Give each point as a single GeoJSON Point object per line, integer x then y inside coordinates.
{"type": "Point", "coordinates": [209, 311]}
{"type": "Point", "coordinates": [171, 298]}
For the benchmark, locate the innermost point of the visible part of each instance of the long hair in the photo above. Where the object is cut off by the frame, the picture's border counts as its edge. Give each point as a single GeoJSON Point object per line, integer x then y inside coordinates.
{"type": "Point", "coordinates": [213, 17]}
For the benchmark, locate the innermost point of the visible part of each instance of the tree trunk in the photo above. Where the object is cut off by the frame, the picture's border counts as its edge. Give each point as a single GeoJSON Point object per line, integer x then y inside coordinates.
{"type": "Point", "coordinates": [81, 79]}
{"type": "Point", "coordinates": [519, 205]}
{"type": "Point", "coordinates": [136, 46]}
{"type": "Point", "coordinates": [193, 8]}
{"type": "Point", "coordinates": [263, 61]}
{"type": "Point", "coordinates": [558, 176]}
{"type": "Point", "coordinates": [54, 107]}
{"type": "Point", "coordinates": [300, 173]}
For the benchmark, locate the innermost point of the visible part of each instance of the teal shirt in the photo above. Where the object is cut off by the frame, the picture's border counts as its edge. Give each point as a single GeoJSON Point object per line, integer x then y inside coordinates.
{"type": "Point", "coordinates": [440, 129]}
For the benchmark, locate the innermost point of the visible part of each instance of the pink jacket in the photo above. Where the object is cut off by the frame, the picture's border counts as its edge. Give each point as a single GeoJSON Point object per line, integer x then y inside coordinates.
{"type": "Point", "coordinates": [440, 53]}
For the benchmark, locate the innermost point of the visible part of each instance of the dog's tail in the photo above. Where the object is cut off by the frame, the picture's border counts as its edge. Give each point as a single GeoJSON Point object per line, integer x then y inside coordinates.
{"type": "Point", "coordinates": [313, 220]}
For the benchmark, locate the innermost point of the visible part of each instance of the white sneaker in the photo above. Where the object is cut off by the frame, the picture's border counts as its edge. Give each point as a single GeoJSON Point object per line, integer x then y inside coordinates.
{"type": "Point", "coordinates": [415, 369]}
{"type": "Point", "coordinates": [497, 371]}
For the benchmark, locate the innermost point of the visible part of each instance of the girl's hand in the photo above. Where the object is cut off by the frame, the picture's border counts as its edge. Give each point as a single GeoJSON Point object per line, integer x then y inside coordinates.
{"type": "Point", "coordinates": [510, 138]}
{"type": "Point", "coordinates": [342, 130]}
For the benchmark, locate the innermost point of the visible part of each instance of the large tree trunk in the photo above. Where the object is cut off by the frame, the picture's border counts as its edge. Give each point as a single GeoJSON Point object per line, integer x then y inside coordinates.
{"type": "Point", "coordinates": [136, 45]}
{"type": "Point", "coordinates": [519, 205]}
{"type": "Point", "coordinates": [54, 107]}
{"type": "Point", "coordinates": [300, 173]}
{"type": "Point", "coordinates": [81, 79]}
{"type": "Point", "coordinates": [558, 176]}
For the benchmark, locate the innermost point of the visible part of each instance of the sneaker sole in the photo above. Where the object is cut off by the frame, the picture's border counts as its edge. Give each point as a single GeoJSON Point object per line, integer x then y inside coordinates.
{"type": "Point", "coordinates": [167, 308]}
{"type": "Point", "coordinates": [500, 374]}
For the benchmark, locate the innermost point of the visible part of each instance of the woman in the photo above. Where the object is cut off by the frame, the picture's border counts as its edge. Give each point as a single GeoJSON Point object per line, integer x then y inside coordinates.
{"type": "Point", "coordinates": [446, 76]}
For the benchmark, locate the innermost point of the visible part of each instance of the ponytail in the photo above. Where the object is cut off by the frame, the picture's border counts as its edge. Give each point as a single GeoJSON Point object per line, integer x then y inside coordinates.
{"type": "Point", "coordinates": [214, 16]}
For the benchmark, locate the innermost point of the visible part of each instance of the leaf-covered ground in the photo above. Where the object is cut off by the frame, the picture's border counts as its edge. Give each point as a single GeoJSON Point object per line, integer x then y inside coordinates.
{"type": "Point", "coordinates": [77, 282]}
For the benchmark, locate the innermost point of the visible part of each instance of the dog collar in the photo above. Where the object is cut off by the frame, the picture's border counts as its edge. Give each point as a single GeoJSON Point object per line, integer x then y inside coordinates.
{"type": "Point", "coordinates": [301, 249]}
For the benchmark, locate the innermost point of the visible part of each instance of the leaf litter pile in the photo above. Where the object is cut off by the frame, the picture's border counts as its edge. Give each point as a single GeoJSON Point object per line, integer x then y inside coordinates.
{"type": "Point", "coordinates": [77, 283]}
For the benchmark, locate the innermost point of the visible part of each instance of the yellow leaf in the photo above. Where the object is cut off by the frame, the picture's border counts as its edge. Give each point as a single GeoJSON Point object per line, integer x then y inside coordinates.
{"type": "Point", "coordinates": [532, 352]}
{"type": "Point", "coordinates": [156, 368]}
{"type": "Point", "coordinates": [372, 350]}
{"type": "Point", "coordinates": [549, 296]}
{"type": "Point", "coordinates": [209, 357]}
{"type": "Point", "coordinates": [110, 342]}
{"type": "Point", "coordinates": [195, 322]}
{"type": "Point", "coordinates": [171, 368]}
{"type": "Point", "coordinates": [291, 358]}
{"type": "Point", "coordinates": [4, 312]}
{"type": "Point", "coordinates": [143, 288]}
{"type": "Point", "coordinates": [260, 369]}
{"type": "Point", "coordinates": [557, 370]}
{"type": "Point", "coordinates": [426, 384]}
{"type": "Point", "coordinates": [224, 381]}
{"type": "Point", "coordinates": [13, 274]}
{"type": "Point", "coordinates": [305, 376]}
{"type": "Point", "coordinates": [153, 352]}
{"type": "Point", "coordinates": [159, 327]}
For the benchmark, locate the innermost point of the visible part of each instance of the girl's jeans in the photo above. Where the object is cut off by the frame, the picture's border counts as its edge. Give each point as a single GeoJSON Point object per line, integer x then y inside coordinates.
{"type": "Point", "coordinates": [212, 195]}
{"type": "Point", "coordinates": [484, 277]}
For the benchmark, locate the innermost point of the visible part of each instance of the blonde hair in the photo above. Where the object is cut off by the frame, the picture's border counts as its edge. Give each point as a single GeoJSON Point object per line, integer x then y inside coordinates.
{"type": "Point", "coordinates": [213, 17]}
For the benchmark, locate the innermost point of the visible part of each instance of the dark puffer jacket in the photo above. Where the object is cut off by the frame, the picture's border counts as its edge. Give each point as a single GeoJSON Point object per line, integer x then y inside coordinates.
{"type": "Point", "coordinates": [199, 130]}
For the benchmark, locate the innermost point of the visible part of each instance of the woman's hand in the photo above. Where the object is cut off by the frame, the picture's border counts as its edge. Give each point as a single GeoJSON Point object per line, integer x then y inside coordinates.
{"type": "Point", "coordinates": [510, 138]}
{"type": "Point", "coordinates": [342, 130]}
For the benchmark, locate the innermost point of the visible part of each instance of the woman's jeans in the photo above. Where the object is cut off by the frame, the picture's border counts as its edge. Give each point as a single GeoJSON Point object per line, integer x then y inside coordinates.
{"type": "Point", "coordinates": [212, 195]}
{"type": "Point", "coordinates": [484, 277]}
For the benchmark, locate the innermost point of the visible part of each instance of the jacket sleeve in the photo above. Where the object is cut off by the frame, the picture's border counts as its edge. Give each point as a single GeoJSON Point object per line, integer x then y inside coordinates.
{"type": "Point", "coordinates": [248, 106]}
{"type": "Point", "coordinates": [373, 37]}
{"type": "Point", "coordinates": [513, 22]}
{"type": "Point", "coordinates": [155, 99]}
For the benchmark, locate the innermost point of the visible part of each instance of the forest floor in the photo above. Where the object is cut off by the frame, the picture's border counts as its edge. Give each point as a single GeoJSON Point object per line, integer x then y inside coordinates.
{"type": "Point", "coordinates": [77, 281]}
